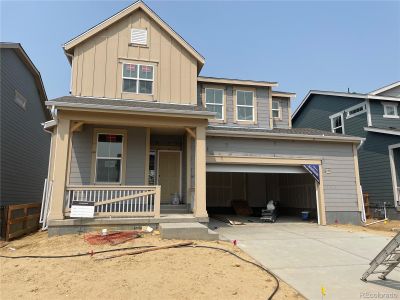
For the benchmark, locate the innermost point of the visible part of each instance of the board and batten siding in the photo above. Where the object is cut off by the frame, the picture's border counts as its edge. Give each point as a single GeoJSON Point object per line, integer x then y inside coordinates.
{"type": "Point", "coordinates": [81, 155]}
{"type": "Point", "coordinates": [261, 97]}
{"type": "Point", "coordinates": [283, 122]}
{"type": "Point", "coordinates": [25, 145]}
{"type": "Point", "coordinates": [337, 163]}
{"type": "Point", "coordinates": [377, 118]}
{"type": "Point", "coordinates": [97, 63]}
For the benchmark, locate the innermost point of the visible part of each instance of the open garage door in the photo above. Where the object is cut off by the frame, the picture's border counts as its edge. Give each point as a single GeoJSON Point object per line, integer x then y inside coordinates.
{"type": "Point", "coordinates": [291, 186]}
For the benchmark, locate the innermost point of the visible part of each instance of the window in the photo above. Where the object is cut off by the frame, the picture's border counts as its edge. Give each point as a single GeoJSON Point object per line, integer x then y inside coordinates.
{"type": "Point", "coordinates": [356, 110]}
{"type": "Point", "coordinates": [152, 168]}
{"type": "Point", "coordinates": [276, 109]}
{"type": "Point", "coordinates": [215, 102]}
{"type": "Point", "coordinates": [20, 100]}
{"type": "Point", "coordinates": [109, 158]}
{"type": "Point", "coordinates": [137, 78]}
{"type": "Point", "coordinates": [390, 110]}
{"type": "Point", "coordinates": [337, 123]}
{"type": "Point", "coordinates": [244, 105]}
{"type": "Point", "coordinates": [139, 36]}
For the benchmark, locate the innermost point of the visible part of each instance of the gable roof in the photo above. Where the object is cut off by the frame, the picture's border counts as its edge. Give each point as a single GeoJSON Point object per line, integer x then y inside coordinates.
{"type": "Point", "coordinates": [68, 46]}
{"type": "Point", "coordinates": [205, 79]}
{"type": "Point", "coordinates": [340, 94]}
{"type": "Point", "coordinates": [17, 47]}
{"type": "Point", "coordinates": [385, 88]}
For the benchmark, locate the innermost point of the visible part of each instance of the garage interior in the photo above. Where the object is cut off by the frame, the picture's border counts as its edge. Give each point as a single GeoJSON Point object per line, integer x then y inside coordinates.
{"type": "Point", "coordinates": [292, 187]}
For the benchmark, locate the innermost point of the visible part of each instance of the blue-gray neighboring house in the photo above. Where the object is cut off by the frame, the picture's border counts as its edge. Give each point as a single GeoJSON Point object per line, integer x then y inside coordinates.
{"type": "Point", "coordinates": [374, 116]}
{"type": "Point", "coordinates": [24, 146]}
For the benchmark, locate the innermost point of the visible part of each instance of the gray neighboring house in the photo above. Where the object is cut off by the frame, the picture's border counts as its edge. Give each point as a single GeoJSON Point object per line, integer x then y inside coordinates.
{"type": "Point", "coordinates": [24, 144]}
{"type": "Point", "coordinates": [373, 116]}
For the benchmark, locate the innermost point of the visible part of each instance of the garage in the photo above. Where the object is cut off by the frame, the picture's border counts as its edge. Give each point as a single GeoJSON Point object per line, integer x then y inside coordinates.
{"type": "Point", "coordinates": [292, 187]}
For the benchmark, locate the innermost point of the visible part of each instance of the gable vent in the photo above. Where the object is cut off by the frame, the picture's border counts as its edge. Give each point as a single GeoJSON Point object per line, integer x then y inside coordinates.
{"type": "Point", "coordinates": [139, 36]}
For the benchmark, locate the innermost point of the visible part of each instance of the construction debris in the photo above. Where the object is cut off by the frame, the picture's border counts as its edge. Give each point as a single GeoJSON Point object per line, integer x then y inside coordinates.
{"type": "Point", "coordinates": [112, 238]}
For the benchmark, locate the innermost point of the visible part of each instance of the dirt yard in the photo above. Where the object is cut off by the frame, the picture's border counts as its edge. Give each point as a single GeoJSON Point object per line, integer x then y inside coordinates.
{"type": "Point", "coordinates": [184, 273]}
{"type": "Point", "coordinates": [387, 228]}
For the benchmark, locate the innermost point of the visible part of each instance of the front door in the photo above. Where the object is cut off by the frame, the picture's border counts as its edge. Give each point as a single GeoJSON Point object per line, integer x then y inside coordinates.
{"type": "Point", "coordinates": [169, 174]}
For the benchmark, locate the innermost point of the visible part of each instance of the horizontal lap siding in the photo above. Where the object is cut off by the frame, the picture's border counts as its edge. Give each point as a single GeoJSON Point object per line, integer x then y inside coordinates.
{"type": "Point", "coordinates": [315, 113]}
{"type": "Point", "coordinates": [24, 144]}
{"type": "Point", "coordinates": [81, 155]}
{"type": "Point", "coordinates": [377, 116]}
{"type": "Point", "coordinates": [375, 172]}
{"type": "Point", "coordinates": [337, 163]}
{"type": "Point", "coordinates": [261, 103]}
{"type": "Point", "coordinates": [284, 121]}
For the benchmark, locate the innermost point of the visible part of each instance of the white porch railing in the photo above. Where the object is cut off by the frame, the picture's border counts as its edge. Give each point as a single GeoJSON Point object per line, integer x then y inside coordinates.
{"type": "Point", "coordinates": [119, 201]}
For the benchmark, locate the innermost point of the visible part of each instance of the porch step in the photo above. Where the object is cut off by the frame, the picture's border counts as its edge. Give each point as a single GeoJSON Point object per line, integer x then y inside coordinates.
{"type": "Point", "coordinates": [187, 231]}
{"type": "Point", "coordinates": [174, 209]}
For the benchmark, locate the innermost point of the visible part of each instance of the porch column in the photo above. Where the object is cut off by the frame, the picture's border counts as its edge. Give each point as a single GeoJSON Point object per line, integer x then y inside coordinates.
{"type": "Point", "coordinates": [60, 169]}
{"type": "Point", "coordinates": [200, 173]}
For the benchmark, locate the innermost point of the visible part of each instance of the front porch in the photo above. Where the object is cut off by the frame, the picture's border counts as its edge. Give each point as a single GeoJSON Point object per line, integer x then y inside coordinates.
{"type": "Point", "coordinates": [135, 169]}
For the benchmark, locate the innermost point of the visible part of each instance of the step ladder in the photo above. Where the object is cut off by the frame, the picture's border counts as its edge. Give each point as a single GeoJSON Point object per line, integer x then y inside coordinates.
{"type": "Point", "coordinates": [386, 260]}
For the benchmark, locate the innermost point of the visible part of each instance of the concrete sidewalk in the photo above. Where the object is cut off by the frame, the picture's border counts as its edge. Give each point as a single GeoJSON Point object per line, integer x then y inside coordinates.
{"type": "Point", "coordinates": [309, 256]}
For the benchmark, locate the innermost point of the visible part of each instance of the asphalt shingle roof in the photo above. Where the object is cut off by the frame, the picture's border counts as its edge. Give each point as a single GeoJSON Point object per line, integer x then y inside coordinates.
{"type": "Point", "coordinates": [127, 103]}
{"type": "Point", "coordinates": [294, 131]}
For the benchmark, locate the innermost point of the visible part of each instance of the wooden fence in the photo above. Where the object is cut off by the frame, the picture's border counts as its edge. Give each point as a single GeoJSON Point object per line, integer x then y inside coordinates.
{"type": "Point", "coordinates": [21, 219]}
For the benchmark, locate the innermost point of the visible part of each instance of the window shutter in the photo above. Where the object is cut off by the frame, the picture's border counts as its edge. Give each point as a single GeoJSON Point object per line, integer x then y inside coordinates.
{"type": "Point", "coordinates": [139, 36]}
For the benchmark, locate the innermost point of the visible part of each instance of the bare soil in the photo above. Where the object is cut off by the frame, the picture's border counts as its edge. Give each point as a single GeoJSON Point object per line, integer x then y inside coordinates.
{"type": "Point", "coordinates": [184, 273]}
{"type": "Point", "coordinates": [387, 228]}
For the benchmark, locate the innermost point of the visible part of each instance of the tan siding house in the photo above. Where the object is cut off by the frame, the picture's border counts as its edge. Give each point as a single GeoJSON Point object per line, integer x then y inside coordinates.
{"type": "Point", "coordinates": [147, 140]}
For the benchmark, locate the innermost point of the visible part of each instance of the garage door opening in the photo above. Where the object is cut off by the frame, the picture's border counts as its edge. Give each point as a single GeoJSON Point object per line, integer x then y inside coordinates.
{"type": "Point", "coordinates": [292, 187]}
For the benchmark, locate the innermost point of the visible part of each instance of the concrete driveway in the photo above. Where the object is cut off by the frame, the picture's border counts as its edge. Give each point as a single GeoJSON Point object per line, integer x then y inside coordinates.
{"type": "Point", "coordinates": [308, 256]}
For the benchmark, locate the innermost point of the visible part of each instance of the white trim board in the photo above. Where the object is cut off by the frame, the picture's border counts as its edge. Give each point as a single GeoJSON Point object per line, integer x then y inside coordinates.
{"type": "Point", "coordinates": [382, 130]}
{"type": "Point", "coordinates": [385, 88]}
{"type": "Point", "coordinates": [393, 172]}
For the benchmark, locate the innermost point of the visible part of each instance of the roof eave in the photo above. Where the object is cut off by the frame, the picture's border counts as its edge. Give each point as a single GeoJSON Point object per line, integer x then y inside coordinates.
{"type": "Point", "coordinates": [134, 110]}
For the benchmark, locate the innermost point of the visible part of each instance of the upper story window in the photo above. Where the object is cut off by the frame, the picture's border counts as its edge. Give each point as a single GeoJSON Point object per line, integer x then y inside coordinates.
{"type": "Point", "coordinates": [390, 110]}
{"type": "Point", "coordinates": [109, 158]}
{"type": "Point", "coordinates": [244, 105]}
{"type": "Point", "coordinates": [356, 110]}
{"type": "Point", "coordinates": [138, 78]}
{"type": "Point", "coordinates": [215, 102]}
{"type": "Point", "coordinates": [20, 100]}
{"type": "Point", "coordinates": [276, 109]}
{"type": "Point", "coordinates": [139, 36]}
{"type": "Point", "coordinates": [337, 125]}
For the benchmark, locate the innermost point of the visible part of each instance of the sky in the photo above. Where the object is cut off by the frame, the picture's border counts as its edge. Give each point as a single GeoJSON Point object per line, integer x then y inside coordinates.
{"type": "Point", "coordinates": [303, 45]}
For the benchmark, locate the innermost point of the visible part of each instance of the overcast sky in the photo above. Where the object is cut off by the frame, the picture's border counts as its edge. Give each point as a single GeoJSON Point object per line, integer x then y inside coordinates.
{"type": "Point", "coordinates": [301, 44]}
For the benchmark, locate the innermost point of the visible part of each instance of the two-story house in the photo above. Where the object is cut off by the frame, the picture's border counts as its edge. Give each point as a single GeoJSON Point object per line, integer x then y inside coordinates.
{"type": "Point", "coordinates": [373, 117]}
{"type": "Point", "coordinates": [24, 145]}
{"type": "Point", "coordinates": [148, 140]}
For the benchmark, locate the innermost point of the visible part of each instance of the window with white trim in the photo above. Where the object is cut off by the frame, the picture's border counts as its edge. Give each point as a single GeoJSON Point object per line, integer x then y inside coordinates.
{"type": "Point", "coordinates": [109, 158]}
{"type": "Point", "coordinates": [276, 109]}
{"type": "Point", "coordinates": [337, 123]}
{"type": "Point", "coordinates": [244, 105]}
{"type": "Point", "coordinates": [20, 100]}
{"type": "Point", "coordinates": [390, 110]}
{"type": "Point", "coordinates": [215, 102]}
{"type": "Point", "coordinates": [356, 110]}
{"type": "Point", "coordinates": [137, 78]}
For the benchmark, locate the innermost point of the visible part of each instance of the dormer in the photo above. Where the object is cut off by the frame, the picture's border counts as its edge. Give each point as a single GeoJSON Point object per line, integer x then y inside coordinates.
{"type": "Point", "coordinates": [134, 55]}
